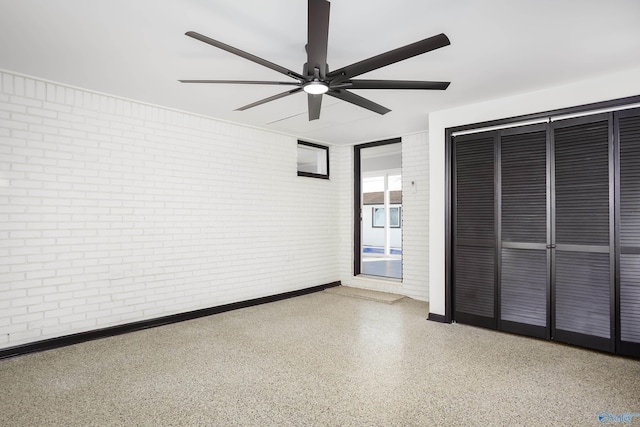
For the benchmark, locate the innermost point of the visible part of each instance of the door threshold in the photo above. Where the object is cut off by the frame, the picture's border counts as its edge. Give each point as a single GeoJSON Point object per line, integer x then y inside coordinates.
{"type": "Point", "coordinates": [384, 279]}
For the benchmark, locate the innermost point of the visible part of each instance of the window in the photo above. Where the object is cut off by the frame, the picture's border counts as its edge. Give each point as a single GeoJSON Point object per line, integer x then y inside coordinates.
{"type": "Point", "coordinates": [378, 217]}
{"type": "Point", "coordinates": [313, 160]}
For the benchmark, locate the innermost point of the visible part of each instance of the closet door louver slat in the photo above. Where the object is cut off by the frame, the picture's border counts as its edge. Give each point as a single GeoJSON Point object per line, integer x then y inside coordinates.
{"type": "Point", "coordinates": [582, 262]}
{"type": "Point", "coordinates": [474, 266]}
{"type": "Point", "coordinates": [629, 140]}
{"type": "Point", "coordinates": [523, 270]}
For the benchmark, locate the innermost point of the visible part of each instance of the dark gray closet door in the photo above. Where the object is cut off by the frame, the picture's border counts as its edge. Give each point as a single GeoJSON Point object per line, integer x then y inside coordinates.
{"type": "Point", "coordinates": [582, 232]}
{"type": "Point", "coordinates": [629, 222]}
{"type": "Point", "coordinates": [523, 233]}
{"type": "Point", "coordinates": [474, 229]}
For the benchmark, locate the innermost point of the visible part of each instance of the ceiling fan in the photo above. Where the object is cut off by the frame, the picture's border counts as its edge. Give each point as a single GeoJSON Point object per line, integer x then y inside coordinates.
{"type": "Point", "coordinates": [316, 79]}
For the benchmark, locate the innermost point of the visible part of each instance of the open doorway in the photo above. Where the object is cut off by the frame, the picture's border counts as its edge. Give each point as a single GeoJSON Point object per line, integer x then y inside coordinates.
{"type": "Point", "coordinates": [379, 209]}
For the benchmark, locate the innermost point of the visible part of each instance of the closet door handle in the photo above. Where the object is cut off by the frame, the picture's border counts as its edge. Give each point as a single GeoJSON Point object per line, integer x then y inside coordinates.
{"type": "Point", "coordinates": [551, 246]}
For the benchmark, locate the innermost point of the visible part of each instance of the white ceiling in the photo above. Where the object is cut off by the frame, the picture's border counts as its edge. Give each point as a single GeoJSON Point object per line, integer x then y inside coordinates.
{"type": "Point", "coordinates": [137, 49]}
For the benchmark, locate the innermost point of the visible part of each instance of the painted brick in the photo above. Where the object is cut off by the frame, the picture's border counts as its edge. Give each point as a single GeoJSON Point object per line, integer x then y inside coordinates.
{"type": "Point", "coordinates": [27, 318]}
{"type": "Point", "coordinates": [25, 336]}
{"type": "Point", "coordinates": [30, 88]}
{"type": "Point", "coordinates": [11, 294]}
{"type": "Point", "coordinates": [41, 90]}
{"type": "Point", "coordinates": [18, 100]}
{"type": "Point", "coordinates": [10, 124]}
{"type": "Point", "coordinates": [58, 313]}
{"type": "Point", "coordinates": [26, 301]}
{"type": "Point", "coordinates": [57, 330]}
{"type": "Point", "coordinates": [72, 318]}
{"type": "Point", "coordinates": [14, 108]}
{"type": "Point", "coordinates": [117, 215]}
{"type": "Point", "coordinates": [42, 323]}
{"type": "Point", "coordinates": [26, 118]}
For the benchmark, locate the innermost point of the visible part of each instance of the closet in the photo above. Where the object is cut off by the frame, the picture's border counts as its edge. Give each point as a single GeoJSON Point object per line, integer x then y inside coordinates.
{"type": "Point", "coordinates": [545, 230]}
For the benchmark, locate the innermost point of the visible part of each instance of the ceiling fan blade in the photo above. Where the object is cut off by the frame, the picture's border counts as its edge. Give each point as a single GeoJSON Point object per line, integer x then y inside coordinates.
{"type": "Point", "coordinates": [390, 57]}
{"type": "Point", "coordinates": [317, 36]}
{"type": "Point", "coordinates": [358, 100]}
{"type": "Point", "coordinates": [271, 98]}
{"type": "Point", "coordinates": [242, 82]}
{"type": "Point", "coordinates": [244, 55]}
{"type": "Point", "coordinates": [315, 103]}
{"type": "Point", "coordinates": [392, 84]}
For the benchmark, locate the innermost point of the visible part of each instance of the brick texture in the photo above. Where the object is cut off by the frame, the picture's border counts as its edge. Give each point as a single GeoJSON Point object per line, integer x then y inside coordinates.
{"type": "Point", "coordinates": [113, 211]}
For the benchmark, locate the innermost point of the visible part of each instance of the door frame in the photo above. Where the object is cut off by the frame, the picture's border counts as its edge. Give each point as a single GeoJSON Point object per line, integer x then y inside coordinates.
{"type": "Point", "coordinates": [357, 199]}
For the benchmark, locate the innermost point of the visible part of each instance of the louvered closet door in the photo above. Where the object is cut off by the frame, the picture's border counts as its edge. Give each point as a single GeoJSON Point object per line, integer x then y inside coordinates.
{"type": "Point", "coordinates": [474, 230]}
{"type": "Point", "coordinates": [523, 232]}
{"type": "Point", "coordinates": [582, 233]}
{"type": "Point", "coordinates": [628, 124]}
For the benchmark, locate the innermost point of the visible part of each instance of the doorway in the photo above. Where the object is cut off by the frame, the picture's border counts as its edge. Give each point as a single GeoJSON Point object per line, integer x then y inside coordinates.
{"type": "Point", "coordinates": [378, 208]}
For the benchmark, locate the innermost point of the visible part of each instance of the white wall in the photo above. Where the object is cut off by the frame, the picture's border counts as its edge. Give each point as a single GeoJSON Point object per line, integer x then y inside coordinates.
{"type": "Point", "coordinates": [415, 216]}
{"type": "Point", "coordinates": [113, 211]}
{"type": "Point", "coordinates": [343, 173]}
{"type": "Point", "coordinates": [618, 85]}
{"type": "Point", "coordinates": [415, 221]}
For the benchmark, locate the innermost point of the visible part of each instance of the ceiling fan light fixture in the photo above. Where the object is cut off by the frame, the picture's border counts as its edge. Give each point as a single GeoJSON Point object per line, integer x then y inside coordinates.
{"type": "Point", "coordinates": [315, 88]}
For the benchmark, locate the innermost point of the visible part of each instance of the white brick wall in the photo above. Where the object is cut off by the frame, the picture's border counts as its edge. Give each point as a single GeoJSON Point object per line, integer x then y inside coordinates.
{"type": "Point", "coordinates": [344, 176]}
{"type": "Point", "coordinates": [415, 216]}
{"type": "Point", "coordinates": [113, 211]}
{"type": "Point", "coordinates": [415, 221]}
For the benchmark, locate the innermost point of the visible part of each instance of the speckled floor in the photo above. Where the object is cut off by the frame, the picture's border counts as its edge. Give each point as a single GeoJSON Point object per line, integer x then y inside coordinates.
{"type": "Point", "coordinates": [318, 360]}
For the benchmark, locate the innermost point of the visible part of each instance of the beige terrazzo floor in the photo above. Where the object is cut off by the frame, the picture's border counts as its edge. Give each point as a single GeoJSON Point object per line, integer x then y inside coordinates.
{"type": "Point", "coordinates": [318, 360]}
